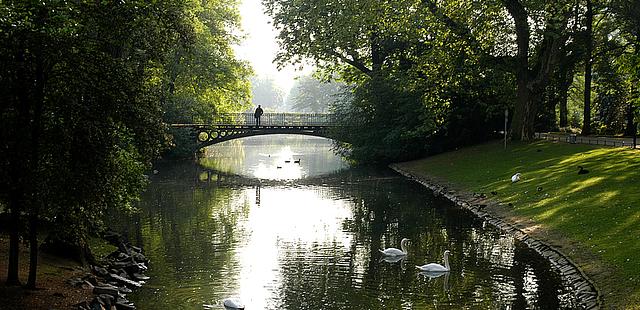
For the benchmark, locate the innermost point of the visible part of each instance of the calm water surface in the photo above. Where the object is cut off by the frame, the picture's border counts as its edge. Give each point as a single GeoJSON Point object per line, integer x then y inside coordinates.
{"type": "Point", "coordinates": [306, 236]}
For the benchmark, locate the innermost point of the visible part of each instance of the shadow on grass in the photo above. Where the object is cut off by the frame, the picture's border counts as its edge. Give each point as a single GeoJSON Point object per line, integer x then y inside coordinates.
{"type": "Point", "coordinates": [599, 209]}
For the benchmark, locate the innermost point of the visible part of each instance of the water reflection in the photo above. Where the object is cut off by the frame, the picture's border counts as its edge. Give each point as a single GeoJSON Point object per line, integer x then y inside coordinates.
{"type": "Point", "coordinates": [277, 157]}
{"type": "Point", "coordinates": [313, 244]}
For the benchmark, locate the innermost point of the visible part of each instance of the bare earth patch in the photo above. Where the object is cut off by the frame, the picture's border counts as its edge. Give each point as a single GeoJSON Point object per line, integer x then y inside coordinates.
{"type": "Point", "coordinates": [53, 291]}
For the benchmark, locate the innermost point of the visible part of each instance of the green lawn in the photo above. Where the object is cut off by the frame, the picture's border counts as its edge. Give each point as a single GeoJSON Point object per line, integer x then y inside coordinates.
{"type": "Point", "coordinates": [600, 209]}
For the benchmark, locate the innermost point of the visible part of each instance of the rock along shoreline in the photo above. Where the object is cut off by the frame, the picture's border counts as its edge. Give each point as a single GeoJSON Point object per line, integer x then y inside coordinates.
{"type": "Point", "coordinates": [119, 274]}
{"type": "Point", "coordinates": [588, 296]}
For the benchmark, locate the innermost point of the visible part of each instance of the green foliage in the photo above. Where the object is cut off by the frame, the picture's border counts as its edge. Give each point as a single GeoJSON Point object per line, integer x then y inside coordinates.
{"type": "Point", "coordinates": [382, 123]}
{"type": "Point", "coordinates": [87, 89]}
{"type": "Point", "coordinates": [200, 75]}
{"type": "Point", "coordinates": [464, 66]}
{"type": "Point", "coordinates": [311, 95]}
{"type": "Point", "coordinates": [266, 93]}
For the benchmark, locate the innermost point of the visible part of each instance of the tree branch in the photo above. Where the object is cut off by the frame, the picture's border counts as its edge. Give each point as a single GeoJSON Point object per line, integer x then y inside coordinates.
{"type": "Point", "coordinates": [353, 62]}
{"type": "Point", "coordinates": [464, 33]}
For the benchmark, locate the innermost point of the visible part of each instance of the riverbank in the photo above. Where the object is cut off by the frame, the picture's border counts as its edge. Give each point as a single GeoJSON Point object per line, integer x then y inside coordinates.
{"type": "Point", "coordinates": [54, 292]}
{"type": "Point", "coordinates": [592, 218]}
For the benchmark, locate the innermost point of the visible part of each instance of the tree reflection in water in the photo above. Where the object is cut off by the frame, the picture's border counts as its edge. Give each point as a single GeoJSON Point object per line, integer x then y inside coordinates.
{"type": "Point", "coordinates": [313, 244]}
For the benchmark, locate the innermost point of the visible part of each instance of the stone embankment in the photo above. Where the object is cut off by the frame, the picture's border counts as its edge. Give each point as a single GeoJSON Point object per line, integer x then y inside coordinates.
{"type": "Point", "coordinates": [584, 289]}
{"type": "Point", "coordinates": [120, 273]}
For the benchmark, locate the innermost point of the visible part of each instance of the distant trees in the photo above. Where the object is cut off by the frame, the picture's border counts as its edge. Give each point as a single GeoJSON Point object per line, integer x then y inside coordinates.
{"type": "Point", "coordinates": [446, 74]}
{"type": "Point", "coordinates": [87, 88]}
{"type": "Point", "coordinates": [309, 94]}
{"type": "Point", "coordinates": [266, 93]}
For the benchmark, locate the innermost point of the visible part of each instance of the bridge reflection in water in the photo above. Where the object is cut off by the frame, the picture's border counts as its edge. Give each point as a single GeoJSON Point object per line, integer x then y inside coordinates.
{"type": "Point", "coordinates": [231, 126]}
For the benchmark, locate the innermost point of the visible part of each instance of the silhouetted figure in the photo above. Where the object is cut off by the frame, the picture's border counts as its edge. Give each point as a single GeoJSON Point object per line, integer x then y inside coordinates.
{"type": "Point", "coordinates": [257, 115]}
{"type": "Point", "coordinates": [582, 170]}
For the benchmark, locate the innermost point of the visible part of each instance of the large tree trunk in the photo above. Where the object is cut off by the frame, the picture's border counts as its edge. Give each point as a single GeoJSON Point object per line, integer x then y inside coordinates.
{"type": "Point", "coordinates": [14, 243]}
{"type": "Point", "coordinates": [586, 124]}
{"type": "Point", "coordinates": [524, 114]}
{"type": "Point", "coordinates": [18, 165]}
{"type": "Point", "coordinates": [631, 127]}
{"type": "Point", "coordinates": [33, 250]}
{"type": "Point", "coordinates": [36, 196]}
{"type": "Point", "coordinates": [565, 81]}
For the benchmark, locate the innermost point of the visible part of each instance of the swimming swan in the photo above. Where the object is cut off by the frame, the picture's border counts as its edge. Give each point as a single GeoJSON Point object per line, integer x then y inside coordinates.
{"type": "Point", "coordinates": [232, 303]}
{"type": "Point", "coordinates": [433, 267]}
{"type": "Point", "coordinates": [396, 252]}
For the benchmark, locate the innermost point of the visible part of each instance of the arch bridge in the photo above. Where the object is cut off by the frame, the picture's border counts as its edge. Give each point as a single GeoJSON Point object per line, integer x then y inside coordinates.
{"type": "Point", "coordinates": [231, 126]}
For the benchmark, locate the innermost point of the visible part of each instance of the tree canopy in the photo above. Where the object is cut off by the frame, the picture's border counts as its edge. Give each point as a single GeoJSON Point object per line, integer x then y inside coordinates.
{"type": "Point", "coordinates": [87, 90]}
{"type": "Point", "coordinates": [266, 93]}
{"type": "Point", "coordinates": [445, 71]}
{"type": "Point", "coordinates": [309, 94]}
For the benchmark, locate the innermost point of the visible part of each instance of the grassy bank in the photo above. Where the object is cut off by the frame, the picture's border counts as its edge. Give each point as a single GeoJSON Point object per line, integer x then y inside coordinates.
{"type": "Point", "coordinates": [599, 210]}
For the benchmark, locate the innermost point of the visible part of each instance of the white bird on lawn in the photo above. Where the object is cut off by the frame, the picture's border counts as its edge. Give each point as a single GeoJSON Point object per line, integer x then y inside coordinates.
{"type": "Point", "coordinates": [434, 267]}
{"type": "Point", "coordinates": [515, 177]}
{"type": "Point", "coordinates": [394, 251]}
{"type": "Point", "coordinates": [233, 303]}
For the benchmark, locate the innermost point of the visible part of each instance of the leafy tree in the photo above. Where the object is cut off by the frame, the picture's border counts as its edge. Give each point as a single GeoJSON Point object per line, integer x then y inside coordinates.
{"type": "Point", "coordinates": [84, 91]}
{"type": "Point", "coordinates": [266, 93]}
{"type": "Point", "coordinates": [626, 13]}
{"type": "Point", "coordinates": [203, 76]}
{"type": "Point", "coordinates": [308, 94]}
{"type": "Point", "coordinates": [364, 42]}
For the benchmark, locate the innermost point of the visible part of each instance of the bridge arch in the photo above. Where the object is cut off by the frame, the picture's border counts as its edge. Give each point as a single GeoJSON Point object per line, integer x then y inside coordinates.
{"type": "Point", "coordinates": [241, 125]}
{"type": "Point", "coordinates": [208, 137]}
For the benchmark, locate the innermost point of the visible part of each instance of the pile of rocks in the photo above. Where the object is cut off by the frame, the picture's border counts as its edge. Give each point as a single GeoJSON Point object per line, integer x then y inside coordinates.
{"type": "Point", "coordinates": [121, 271]}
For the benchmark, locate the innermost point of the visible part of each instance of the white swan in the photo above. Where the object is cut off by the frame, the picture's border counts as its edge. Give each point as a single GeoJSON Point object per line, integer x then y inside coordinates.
{"type": "Point", "coordinates": [515, 177]}
{"type": "Point", "coordinates": [233, 303]}
{"type": "Point", "coordinates": [434, 267]}
{"type": "Point", "coordinates": [396, 252]}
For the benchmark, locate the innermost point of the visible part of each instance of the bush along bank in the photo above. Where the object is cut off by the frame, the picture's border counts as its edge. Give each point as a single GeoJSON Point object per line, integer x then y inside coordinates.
{"type": "Point", "coordinates": [117, 275]}
{"type": "Point", "coordinates": [586, 293]}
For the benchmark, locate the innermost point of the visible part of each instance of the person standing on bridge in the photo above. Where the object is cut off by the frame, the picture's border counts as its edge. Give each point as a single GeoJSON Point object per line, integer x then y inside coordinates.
{"type": "Point", "coordinates": [257, 115]}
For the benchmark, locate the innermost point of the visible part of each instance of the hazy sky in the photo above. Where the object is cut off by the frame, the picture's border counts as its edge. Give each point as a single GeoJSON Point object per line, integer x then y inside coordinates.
{"type": "Point", "coordinates": [260, 47]}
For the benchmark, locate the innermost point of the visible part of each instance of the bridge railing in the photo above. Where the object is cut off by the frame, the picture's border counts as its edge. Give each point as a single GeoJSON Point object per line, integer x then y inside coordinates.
{"type": "Point", "coordinates": [276, 119]}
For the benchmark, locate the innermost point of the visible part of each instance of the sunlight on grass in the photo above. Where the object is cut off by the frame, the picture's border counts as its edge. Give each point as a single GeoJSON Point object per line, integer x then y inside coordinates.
{"type": "Point", "coordinates": [599, 208]}
{"type": "Point", "coordinates": [584, 184]}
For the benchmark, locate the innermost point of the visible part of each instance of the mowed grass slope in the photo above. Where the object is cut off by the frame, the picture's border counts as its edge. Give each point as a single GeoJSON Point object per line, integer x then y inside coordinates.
{"type": "Point", "coordinates": [600, 209]}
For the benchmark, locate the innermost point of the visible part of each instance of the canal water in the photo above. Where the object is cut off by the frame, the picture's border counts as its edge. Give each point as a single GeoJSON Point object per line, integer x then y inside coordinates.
{"type": "Point", "coordinates": [280, 222]}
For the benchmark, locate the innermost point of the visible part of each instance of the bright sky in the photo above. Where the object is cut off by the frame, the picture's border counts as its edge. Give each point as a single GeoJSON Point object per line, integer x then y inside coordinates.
{"type": "Point", "coordinates": [260, 47]}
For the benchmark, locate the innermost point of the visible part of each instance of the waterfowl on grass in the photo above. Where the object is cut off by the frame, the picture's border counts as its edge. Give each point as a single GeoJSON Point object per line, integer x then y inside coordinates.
{"type": "Point", "coordinates": [515, 177]}
{"type": "Point", "coordinates": [582, 170]}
